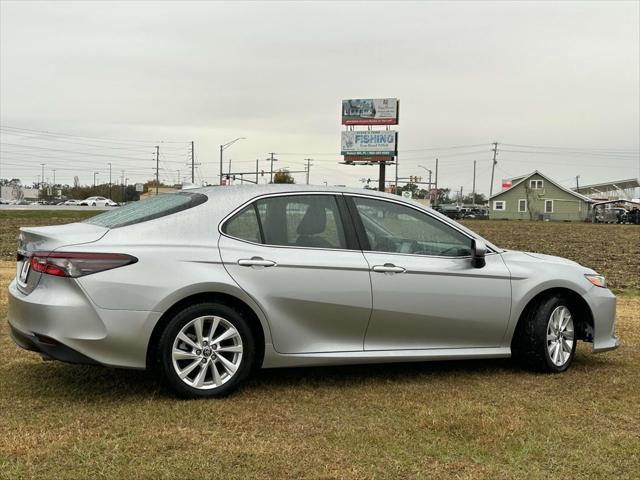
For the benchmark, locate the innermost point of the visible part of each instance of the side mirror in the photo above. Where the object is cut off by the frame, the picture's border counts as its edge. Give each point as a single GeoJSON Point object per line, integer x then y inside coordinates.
{"type": "Point", "coordinates": [478, 251]}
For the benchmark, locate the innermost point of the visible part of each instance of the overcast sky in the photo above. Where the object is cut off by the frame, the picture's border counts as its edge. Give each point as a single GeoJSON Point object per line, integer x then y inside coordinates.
{"type": "Point", "coordinates": [536, 75]}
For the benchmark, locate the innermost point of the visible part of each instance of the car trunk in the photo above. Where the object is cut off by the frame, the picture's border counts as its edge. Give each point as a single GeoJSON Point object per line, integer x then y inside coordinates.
{"type": "Point", "coordinates": [48, 239]}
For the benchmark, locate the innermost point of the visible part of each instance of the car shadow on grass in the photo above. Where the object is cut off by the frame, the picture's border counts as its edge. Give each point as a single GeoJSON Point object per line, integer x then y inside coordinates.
{"type": "Point", "coordinates": [108, 385]}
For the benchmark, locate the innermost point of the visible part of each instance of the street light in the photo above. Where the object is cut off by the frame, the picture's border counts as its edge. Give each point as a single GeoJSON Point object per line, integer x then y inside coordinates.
{"type": "Point", "coordinates": [223, 148]}
{"type": "Point", "coordinates": [94, 179]}
{"type": "Point", "coordinates": [429, 170]}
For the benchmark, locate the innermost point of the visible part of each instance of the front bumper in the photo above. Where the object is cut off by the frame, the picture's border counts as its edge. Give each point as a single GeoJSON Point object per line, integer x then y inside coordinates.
{"type": "Point", "coordinates": [603, 308]}
{"type": "Point", "coordinates": [58, 320]}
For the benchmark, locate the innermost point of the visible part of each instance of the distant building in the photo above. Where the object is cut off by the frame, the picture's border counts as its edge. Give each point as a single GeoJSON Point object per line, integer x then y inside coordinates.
{"type": "Point", "coordinates": [152, 191]}
{"type": "Point", "coordinates": [536, 197]}
{"type": "Point", "coordinates": [617, 190]}
{"type": "Point", "coordinates": [18, 192]}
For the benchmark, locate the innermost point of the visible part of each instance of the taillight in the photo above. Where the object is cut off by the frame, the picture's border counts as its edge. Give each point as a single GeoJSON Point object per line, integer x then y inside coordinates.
{"type": "Point", "coordinates": [73, 264]}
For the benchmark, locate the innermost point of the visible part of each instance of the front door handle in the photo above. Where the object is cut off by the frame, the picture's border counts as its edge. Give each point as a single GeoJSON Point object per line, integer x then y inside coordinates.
{"type": "Point", "coordinates": [255, 262]}
{"type": "Point", "coordinates": [388, 268]}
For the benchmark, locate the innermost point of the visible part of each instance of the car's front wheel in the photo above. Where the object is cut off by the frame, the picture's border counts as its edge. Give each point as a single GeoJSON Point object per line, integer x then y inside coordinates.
{"type": "Point", "coordinates": [206, 350]}
{"type": "Point", "coordinates": [545, 337]}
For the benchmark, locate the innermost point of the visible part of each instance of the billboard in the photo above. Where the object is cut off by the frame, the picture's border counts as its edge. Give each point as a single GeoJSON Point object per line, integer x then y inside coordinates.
{"type": "Point", "coordinates": [382, 142]}
{"type": "Point", "coordinates": [370, 111]}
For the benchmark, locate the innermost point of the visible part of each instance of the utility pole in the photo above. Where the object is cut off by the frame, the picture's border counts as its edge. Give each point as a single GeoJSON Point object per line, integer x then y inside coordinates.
{"type": "Point", "coordinates": [493, 166]}
{"type": "Point", "coordinates": [109, 180]}
{"type": "Point", "coordinates": [124, 191]}
{"type": "Point", "coordinates": [42, 176]}
{"type": "Point", "coordinates": [436, 199]}
{"type": "Point", "coordinates": [157, 167]}
{"type": "Point", "coordinates": [193, 164]}
{"type": "Point", "coordinates": [94, 180]}
{"type": "Point", "coordinates": [308, 168]}
{"type": "Point", "coordinates": [257, 167]}
{"type": "Point", "coordinates": [577, 183]}
{"type": "Point", "coordinates": [474, 183]}
{"type": "Point", "coordinates": [272, 160]}
{"type": "Point", "coordinates": [54, 177]}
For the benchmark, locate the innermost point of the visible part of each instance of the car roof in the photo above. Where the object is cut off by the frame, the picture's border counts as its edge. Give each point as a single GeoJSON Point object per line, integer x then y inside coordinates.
{"type": "Point", "coordinates": [250, 191]}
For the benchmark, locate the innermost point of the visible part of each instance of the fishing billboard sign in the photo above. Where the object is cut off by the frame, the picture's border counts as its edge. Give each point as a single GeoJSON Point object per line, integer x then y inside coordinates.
{"type": "Point", "coordinates": [383, 142]}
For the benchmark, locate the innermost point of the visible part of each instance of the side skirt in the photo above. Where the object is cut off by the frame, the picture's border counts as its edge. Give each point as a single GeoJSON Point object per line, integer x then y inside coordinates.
{"type": "Point", "coordinates": [273, 359]}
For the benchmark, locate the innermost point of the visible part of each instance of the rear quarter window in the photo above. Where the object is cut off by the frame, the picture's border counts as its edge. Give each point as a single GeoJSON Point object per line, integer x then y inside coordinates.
{"type": "Point", "coordinates": [149, 209]}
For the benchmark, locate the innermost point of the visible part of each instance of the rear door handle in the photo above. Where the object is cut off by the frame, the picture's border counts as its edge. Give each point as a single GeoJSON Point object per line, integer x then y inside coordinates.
{"type": "Point", "coordinates": [388, 268]}
{"type": "Point", "coordinates": [255, 262]}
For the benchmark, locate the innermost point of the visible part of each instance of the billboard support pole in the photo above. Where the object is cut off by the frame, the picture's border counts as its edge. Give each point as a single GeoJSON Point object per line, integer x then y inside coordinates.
{"type": "Point", "coordinates": [381, 179]}
{"type": "Point", "coordinates": [395, 189]}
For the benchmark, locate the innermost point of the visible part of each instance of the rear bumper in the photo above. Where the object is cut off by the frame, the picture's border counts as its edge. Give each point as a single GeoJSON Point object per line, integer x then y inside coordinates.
{"type": "Point", "coordinates": [76, 330]}
{"type": "Point", "coordinates": [48, 347]}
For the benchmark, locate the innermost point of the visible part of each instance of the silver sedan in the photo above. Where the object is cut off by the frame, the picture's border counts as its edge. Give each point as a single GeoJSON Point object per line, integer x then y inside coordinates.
{"type": "Point", "coordinates": [206, 285]}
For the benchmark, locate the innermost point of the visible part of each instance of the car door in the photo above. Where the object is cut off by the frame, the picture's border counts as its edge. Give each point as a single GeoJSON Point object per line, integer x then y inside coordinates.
{"type": "Point", "coordinates": [300, 262]}
{"type": "Point", "coordinates": [426, 293]}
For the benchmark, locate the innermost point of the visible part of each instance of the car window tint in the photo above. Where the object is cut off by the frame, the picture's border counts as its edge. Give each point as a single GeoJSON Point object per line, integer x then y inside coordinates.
{"type": "Point", "coordinates": [391, 227]}
{"type": "Point", "coordinates": [145, 210]}
{"type": "Point", "coordinates": [244, 225]}
{"type": "Point", "coordinates": [302, 221]}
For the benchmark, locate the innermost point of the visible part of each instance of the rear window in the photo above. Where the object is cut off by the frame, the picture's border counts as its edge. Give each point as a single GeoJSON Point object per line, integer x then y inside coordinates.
{"type": "Point", "coordinates": [145, 210]}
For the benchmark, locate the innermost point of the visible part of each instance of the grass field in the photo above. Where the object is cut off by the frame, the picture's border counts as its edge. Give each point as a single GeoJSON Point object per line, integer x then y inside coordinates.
{"type": "Point", "coordinates": [463, 420]}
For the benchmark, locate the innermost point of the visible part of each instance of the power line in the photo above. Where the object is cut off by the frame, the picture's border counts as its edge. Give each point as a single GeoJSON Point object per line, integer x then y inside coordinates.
{"type": "Point", "coordinates": [588, 149]}
{"type": "Point", "coordinates": [104, 139]}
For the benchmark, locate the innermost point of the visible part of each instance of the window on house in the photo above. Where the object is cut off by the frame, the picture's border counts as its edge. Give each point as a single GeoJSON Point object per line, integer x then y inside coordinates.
{"type": "Point", "coordinates": [548, 206]}
{"type": "Point", "coordinates": [522, 205]}
{"type": "Point", "coordinates": [536, 184]}
{"type": "Point", "coordinates": [499, 205]}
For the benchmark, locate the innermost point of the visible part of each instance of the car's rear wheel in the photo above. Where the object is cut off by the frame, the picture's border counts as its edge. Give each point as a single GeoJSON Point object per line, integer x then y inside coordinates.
{"type": "Point", "coordinates": [545, 337]}
{"type": "Point", "coordinates": [206, 350]}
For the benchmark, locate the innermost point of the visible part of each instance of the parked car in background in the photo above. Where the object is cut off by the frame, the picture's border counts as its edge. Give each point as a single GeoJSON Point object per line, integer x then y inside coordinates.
{"type": "Point", "coordinates": [71, 202]}
{"type": "Point", "coordinates": [98, 202]}
{"type": "Point", "coordinates": [632, 216]}
{"type": "Point", "coordinates": [612, 215]}
{"type": "Point", "coordinates": [205, 286]}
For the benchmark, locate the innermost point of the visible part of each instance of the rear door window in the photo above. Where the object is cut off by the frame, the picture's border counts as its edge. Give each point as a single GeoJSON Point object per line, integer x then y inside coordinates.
{"type": "Point", "coordinates": [302, 221]}
{"type": "Point", "coordinates": [149, 209]}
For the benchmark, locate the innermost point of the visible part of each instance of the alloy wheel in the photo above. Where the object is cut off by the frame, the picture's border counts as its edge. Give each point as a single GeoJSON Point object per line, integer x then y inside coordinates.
{"type": "Point", "coordinates": [560, 336]}
{"type": "Point", "coordinates": [207, 352]}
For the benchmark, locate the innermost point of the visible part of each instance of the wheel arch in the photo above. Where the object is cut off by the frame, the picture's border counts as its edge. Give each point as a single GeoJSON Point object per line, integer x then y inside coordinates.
{"type": "Point", "coordinates": [216, 297]}
{"type": "Point", "coordinates": [583, 316]}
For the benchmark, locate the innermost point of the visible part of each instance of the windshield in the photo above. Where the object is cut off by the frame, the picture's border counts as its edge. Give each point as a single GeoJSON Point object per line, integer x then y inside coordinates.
{"type": "Point", "coordinates": [149, 209]}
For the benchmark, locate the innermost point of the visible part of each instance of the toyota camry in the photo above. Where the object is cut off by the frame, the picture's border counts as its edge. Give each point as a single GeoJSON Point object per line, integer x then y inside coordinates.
{"type": "Point", "coordinates": [204, 286]}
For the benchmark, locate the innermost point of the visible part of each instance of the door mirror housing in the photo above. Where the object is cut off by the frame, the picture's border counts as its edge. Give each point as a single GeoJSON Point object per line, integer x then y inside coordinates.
{"type": "Point", "coordinates": [478, 252]}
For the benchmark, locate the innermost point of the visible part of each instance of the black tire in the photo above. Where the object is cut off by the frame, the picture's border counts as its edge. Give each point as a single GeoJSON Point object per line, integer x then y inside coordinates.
{"type": "Point", "coordinates": [164, 362]}
{"type": "Point", "coordinates": [529, 344]}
